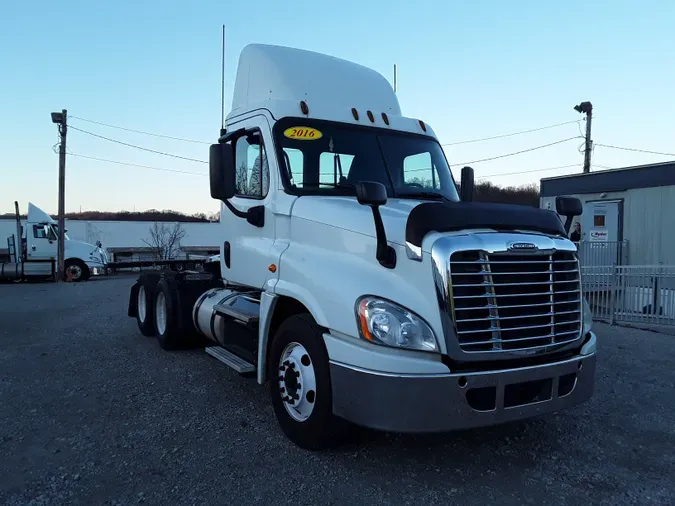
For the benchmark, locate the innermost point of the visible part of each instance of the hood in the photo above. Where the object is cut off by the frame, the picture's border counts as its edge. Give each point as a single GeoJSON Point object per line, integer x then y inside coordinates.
{"type": "Point", "coordinates": [409, 221]}
{"type": "Point", "coordinates": [37, 215]}
{"type": "Point", "coordinates": [80, 248]}
{"type": "Point", "coordinates": [347, 213]}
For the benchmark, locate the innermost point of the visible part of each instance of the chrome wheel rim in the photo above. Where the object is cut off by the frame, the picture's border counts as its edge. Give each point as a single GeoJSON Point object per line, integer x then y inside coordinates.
{"type": "Point", "coordinates": [297, 382]}
{"type": "Point", "coordinates": [142, 308]}
{"type": "Point", "coordinates": [76, 271]}
{"type": "Point", "coordinates": [160, 313]}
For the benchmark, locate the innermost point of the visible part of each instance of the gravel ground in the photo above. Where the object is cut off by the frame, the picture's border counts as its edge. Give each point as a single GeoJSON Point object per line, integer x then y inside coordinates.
{"type": "Point", "coordinates": [93, 413]}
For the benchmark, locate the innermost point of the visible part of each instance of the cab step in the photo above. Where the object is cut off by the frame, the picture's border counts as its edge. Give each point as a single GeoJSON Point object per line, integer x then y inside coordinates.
{"type": "Point", "coordinates": [230, 359]}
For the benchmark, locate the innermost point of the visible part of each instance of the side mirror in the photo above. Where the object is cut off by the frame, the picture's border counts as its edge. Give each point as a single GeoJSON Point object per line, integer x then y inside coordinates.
{"type": "Point", "coordinates": [221, 171]}
{"type": "Point", "coordinates": [467, 184]}
{"type": "Point", "coordinates": [371, 193]}
{"type": "Point", "coordinates": [569, 207]}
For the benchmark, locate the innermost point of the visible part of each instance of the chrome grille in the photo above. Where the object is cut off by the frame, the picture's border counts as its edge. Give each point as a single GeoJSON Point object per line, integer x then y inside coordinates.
{"type": "Point", "coordinates": [508, 302]}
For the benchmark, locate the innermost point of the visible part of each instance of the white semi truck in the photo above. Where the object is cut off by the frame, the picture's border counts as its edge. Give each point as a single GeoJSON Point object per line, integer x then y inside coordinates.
{"type": "Point", "coordinates": [33, 250]}
{"type": "Point", "coordinates": [355, 281]}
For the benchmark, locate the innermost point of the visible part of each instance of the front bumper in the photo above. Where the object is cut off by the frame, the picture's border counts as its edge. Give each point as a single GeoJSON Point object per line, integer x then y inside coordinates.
{"type": "Point", "coordinates": [444, 402]}
{"type": "Point", "coordinates": [97, 270]}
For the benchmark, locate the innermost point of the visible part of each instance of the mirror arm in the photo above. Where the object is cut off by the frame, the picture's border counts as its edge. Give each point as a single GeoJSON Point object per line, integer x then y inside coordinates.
{"type": "Point", "coordinates": [235, 211]}
{"type": "Point", "coordinates": [231, 135]}
{"type": "Point", "coordinates": [568, 224]}
{"type": "Point", "coordinates": [385, 254]}
{"type": "Point", "coordinates": [254, 215]}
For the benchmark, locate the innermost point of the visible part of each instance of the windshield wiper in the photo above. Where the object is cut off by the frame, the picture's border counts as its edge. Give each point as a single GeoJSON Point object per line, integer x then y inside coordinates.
{"type": "Point", "coordinates": [334, 185]}
{"type": "Point", "coordinates": [422, 195]}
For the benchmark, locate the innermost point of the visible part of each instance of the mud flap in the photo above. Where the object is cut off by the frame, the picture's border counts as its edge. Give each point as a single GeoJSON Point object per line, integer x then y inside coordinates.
{"type": "Point", "coordinates": [132, 310]}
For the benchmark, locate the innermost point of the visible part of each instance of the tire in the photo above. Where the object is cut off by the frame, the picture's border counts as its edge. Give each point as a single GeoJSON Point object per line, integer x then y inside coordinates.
{"type": "Point", "coordinates": [167, 317]}
{"type": "Point", "coordinates": [146, 319]}
{"type": "Point", "coordinates": [79, 268]}
{"type": "Point", "coordinates": [312, 426]}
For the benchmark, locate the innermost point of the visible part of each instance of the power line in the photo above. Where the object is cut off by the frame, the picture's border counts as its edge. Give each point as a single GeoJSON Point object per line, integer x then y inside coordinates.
{"type": "Point", "coordinates": [634, 149]}
{"type": "Point", "coordinates": [518, 152]}
{"type": "Point", "coordinates": [511, 134]}
{"type": "Point", "coordinates": [529, 171]}
{"type": "Point", "coordinates": [136, 165]}
{"type": "Point", "coordinates": [138, 147]}
{"type": "Point", "coordinates": [138, 131]}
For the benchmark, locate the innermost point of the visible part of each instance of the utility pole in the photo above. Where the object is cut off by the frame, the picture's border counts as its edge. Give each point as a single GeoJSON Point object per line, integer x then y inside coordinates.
{"type": "Point", "coordinates": [61, 119]}
{"type": "Point", "coordinates": [587, 109]}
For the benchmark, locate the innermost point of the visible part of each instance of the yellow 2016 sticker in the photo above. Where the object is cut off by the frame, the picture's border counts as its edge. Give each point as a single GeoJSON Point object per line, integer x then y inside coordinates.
{"type": "Point", "coordinates": [303, 133]}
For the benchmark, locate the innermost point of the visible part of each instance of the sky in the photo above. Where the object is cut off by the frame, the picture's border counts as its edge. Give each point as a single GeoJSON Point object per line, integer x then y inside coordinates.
{"type": "Point", "coordinates": [469, 69]}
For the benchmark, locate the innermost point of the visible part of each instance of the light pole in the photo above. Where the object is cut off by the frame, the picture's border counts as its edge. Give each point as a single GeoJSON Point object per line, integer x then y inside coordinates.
{"type": "Point", "coordinates": [61, 119]}
{"type": "Point", "coordinates": [587, 109]}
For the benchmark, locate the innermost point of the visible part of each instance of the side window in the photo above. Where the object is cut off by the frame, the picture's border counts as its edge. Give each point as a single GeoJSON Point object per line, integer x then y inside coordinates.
{"type": "Point", "coordinates": [418, 169]}
{"type": "Point", "coordinates": [253, 175]}
{"type": "Point", "coordinates": [44, 232]}
{"type": "Point", "coordinates": [333, 167]}
{"type": "Point", "coordinates": [39, 232]}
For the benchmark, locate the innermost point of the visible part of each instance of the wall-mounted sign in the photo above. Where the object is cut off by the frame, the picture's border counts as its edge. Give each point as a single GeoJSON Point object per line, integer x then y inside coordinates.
{"type": "Point", "coordinates": [598, 235]}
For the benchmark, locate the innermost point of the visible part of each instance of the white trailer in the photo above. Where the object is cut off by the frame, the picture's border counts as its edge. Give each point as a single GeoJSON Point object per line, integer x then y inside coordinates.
{"type": "Point", "coordinates": [33, 250]}
{"type": "Point", "coordinates": [355, 281]}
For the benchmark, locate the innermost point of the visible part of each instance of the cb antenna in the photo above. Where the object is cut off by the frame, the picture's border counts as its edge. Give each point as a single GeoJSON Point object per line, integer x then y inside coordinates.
{"type": "Point", "coordinates": [394, 78]}
{"type": "Point", "coordinates": [222, 88]}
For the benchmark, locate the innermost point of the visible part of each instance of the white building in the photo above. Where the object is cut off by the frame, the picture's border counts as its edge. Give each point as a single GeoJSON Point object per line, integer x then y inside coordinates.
{"type": "Point", "coordinates": [126, 240]}
{"type": "Point", "coordinates": [633, 207]}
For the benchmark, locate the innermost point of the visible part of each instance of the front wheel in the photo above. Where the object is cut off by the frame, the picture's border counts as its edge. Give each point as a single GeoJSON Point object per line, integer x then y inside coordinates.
{"type": "Point", "coordinates": [299, 382]}
{"type": "Point", "coordinates": [77, 269]}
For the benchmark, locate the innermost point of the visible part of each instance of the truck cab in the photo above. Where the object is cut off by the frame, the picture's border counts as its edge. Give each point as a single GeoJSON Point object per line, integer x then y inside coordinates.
{"type": "Point", "coordinates": [39, 245]}
{"type": "Point", "coordinates": [374, 293]}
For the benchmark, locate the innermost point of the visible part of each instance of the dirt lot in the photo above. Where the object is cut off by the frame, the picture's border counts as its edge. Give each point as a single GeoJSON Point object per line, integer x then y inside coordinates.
{"type": "Point", "coordinates": [91, 412]}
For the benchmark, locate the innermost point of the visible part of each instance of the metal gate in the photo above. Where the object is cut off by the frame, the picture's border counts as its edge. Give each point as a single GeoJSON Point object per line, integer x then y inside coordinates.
{"type": "Point", "coordinates": [636, 293]}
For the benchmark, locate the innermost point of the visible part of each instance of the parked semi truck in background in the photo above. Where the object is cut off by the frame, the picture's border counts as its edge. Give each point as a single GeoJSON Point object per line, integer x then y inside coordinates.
{"type": "Point", "coordinates": [32, 251]}
{"type": "Point", "coordinates": [355, 281]}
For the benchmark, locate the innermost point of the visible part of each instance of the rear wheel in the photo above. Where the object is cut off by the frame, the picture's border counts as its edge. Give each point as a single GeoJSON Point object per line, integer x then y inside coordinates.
{"type": "Point", "coordinates": [168, 328]}
{"type": "Point", "coordinates": [299, 383]}
{"type": "Point", "coordinates": [145, 314]}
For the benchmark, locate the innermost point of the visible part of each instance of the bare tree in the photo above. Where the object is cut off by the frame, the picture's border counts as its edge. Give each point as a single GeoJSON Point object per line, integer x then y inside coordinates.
{"type": "Point", "coordinates": [165, 240]}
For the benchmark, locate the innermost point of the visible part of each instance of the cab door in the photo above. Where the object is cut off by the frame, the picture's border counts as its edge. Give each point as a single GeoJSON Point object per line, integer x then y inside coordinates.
{"type": "Point", "coordinates": [247, 250]}
{"type": "Point", "coordinates": [41, 242]}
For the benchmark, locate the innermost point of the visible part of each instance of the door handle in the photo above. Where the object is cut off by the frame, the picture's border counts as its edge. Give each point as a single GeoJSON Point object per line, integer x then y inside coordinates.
{"type": "Point", "coordinates": [33, 248]}
{"type": "Point", "coordinates": [226, 253]}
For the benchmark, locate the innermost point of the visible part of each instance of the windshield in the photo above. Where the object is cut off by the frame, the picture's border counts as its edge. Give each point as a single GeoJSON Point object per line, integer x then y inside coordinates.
{"type": "Point", "coordinates": [327, 158]}
{"type": "Point", "coordinates": [56, 233]}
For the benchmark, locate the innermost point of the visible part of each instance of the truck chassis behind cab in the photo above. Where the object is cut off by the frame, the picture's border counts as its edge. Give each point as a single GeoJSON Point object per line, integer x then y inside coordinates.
{"type": "Point", "coordinates": [356, 281]}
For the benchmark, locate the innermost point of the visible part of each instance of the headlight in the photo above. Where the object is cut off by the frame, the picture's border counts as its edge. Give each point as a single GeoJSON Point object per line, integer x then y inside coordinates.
{"type": "Point", "coordinates": [587, 316]}
{"type": "Point", "coordinates": [386, 323]}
